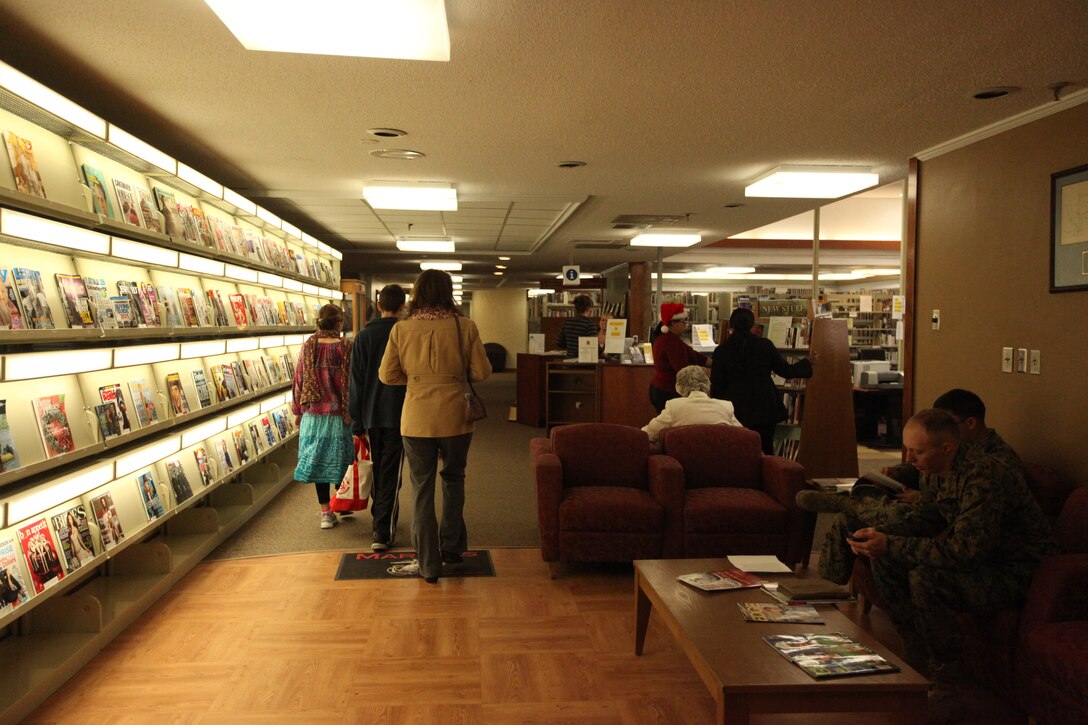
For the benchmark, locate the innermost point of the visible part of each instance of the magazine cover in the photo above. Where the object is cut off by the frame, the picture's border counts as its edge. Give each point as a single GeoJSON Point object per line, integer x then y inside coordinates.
{"type": "Point", "coordinates": [100, 199]}
{"type": "Point", "coordinates": [266, 428]}
{"type": "Point", "coordinates": [221, 392]}
{"type": "Point", "coordinates": [143, 401]}
{"type": "Point", "coordinates": [251, 308]}
{"type": "Point", "coordinates": [74, 536]}
{"type": "Point", "coordinates": [109, 421]}
{"type": "Point", "coordinates": [238, 241]}
{"type": "Point", "coordinates": [77, 303]}
{"type": "Point", "coordinates": [131, 291]}
{"type": "Point", "coordinates": [776, 612]}
{"type": "Point", "coordinates": [114, 394]}
{"type": "Point", "coordinates": [21, 153]}
{"type": "Point", "coordinates": [147, 310]}
{"type": "Point", "coordinates": [204, 315]}
{"type": "Point", "coordinates": [188, 224]}
{"type": "Point", "coordinates": [288, 418]}
{"type": "Point", "coordinates": [13, 591]}
{"type": "Point", "coordinates": [281, 424]}
{"type": "Point", "coordinates": [36, 312]}
{"type": "Point", "coordinates": [255, 436]}
{"type": "Point", "coordinates": [226, 463]}
{"type": "Point", "coordinates": [122, 311]}
{"type": "Point", "coordinates": [149, 495]}
{"type": "Point", "coordinates": [176, 394]}
{"type": "Point", "coordinates": [41, 555]}
{"type": "Point", "coordinates": [188, 309]}
{"type": "Point", "coordinates": [147, 209]}
{"type": "Point", "coordinates": [9, 458]}
{"type": "Point", "coordinates": [109, 524]}
{"type": "Point", "coordinates": [829, 655]}
{"type": "Point", "coordinates": [179, 482]}
{"type": "Point", "coordinates": [203, 395]}
{"type": "Point", "coordinates": [238, 307]}
{"type": "Point", "coordinates": [727, 578]}
{"type": "Point", "coordinates": [241, 445]}
{"type": "Point", "coordinates": [101, 307]}
{"type": "Point", "coordinates": [169, 299]}
{"type": "Point", "coordinates": [239, 379]}
{"type": "Point", "coordinates": [202, 227]}
{"type": "Point", "coordinates": [169, 208]}
{"type": "Point", "coordinates": [53, 425]}
{"type": "Point", "coordinates": [126, 199]}
{"type": "Point", "coordinates": [204, 466]}
{"type": "Point", "coordinates": [216, 301]}
{"type": "Point", "coordinates": [152, 297]}
{"type": "Point", "coordinates": [229, 382]}
{"type": "Point", "coordinates": [11, 315]}
{"type": "Point", "coordinates": [219, 231]}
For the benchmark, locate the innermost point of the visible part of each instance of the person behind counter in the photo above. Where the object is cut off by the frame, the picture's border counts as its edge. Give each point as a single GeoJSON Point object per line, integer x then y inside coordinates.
{"type": "Point", "coordinates": [671, 354]}
{"type": "Point", "coordinates": [578, 326]}
{"type": "Point", "coordinates": [741, 373]}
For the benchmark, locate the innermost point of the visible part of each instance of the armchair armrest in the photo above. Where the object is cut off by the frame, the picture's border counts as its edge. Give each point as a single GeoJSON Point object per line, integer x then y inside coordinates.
{"type": "Point", "coordinates": [667, 488]}
{"type": "Point", "coordinates": [548, 473]}
{"type": "Point", "coordinates": [538, 446]}
{"type": "Point", "coordinates": [782, 479]}
{"type": "Point", "coordinates": [1058, 592]}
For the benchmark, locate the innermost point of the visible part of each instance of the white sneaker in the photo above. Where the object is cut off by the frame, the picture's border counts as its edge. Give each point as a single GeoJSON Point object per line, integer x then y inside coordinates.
{"type": "Point", "coordinates": [410, 568]}
{"type": "Point", "coordinates": [328, 519]}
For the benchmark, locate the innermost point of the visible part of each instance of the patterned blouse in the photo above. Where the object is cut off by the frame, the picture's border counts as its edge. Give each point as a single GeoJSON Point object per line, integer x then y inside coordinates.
{"type": "Point", "coordinates": [331, 359]}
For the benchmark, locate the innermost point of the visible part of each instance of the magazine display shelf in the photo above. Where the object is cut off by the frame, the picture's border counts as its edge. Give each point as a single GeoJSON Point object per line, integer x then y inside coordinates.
{"type": "Point", "coordinates": [56, 631]}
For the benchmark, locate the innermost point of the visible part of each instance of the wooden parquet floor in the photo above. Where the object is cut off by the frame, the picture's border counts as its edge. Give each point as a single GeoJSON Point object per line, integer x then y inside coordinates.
{"type": "Point", "coordinates": [277, 640]}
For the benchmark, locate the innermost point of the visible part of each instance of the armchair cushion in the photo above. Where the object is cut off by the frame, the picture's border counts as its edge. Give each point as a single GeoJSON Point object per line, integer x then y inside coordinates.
{"type": "Point", "coordinates": [737, 510]}
{"type": "Point", "coordinates": [715, 456]}
{"type": "Point", "coordinates": [602, 454]}
{"type": "Point", "coordinates": [1056, 672]}
{"type": "Point", "coordinates": [610, 508]}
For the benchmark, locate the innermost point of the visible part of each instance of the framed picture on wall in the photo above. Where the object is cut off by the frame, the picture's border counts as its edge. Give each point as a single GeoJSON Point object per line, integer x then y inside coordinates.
{"type": "Point", "coordinates": [1069, 230]}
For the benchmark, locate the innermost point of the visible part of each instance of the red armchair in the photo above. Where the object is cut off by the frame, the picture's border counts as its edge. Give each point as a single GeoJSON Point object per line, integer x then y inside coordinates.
{"type": "Point", "coordinates": [737, 500]}
{"type": "Point", "coordinates": [601, 495]}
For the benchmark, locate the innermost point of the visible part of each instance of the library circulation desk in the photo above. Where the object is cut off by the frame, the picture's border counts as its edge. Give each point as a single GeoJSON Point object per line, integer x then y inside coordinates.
{"type": "Point", "coordinates": [551, 392]}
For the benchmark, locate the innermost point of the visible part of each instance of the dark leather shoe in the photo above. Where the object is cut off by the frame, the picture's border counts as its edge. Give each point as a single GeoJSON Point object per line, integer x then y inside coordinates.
{"type": "Point", "coordinates": [431, 579]}
{"type": "Point", "coordinates": [449, 557]}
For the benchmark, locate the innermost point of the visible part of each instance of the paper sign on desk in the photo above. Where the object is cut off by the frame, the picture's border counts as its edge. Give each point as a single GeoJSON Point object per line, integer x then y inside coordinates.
{"type": "Point", "coordinates": [587, 349]}
{"type": "Point", "coordinates": [613, 336]}
{"type": "Point", "coordinates": [648, 353]}
{"type": "Point", "coordinates": [536, 344]}
{"type": "Point", "coordinates": [702, 335]}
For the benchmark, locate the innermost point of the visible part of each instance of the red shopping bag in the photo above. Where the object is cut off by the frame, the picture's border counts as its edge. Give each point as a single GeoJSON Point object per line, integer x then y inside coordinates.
{"type": "Point", "coordinates": [354, 491]}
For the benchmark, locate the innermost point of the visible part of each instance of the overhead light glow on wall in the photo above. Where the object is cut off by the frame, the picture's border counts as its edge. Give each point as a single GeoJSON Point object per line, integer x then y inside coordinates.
{"type": "Point", "coordinates": [47, 231]}
{"type": "Point", "coordinates": [418, 196]}
{"type": "Point", "coordinates": [147, 455]}
{"type": "Point", "coordinates": [730, 270]}
{"type": "Point", "coordinates": [540, 292]}
{"type": "Point", "coordinates": [202, 432]}
{"type": "Point", "coordinates": [143, 253]}
{"type": "Point", "coordinates": [665, 239]}
{"type": "Point", "coordinates": [33, 365]}
{"type": "Point", "coordinates": [141, 150]}
{"type": "Point", "coordinates": [242, 344]}
{"type": "Point", "coordinates": [404, 29]}
{"type": "Point", "coordinates": [293, 339]}
{"type": "Point", "coordinates": [812, 182]}
{"type": "Point", "coordinates": [292, 230]}
{"type": "Point", "coordinates": [240, 201]}
{"type": "Point", "coordinates": [335, 254]}
{"type": "Point", "coordinates": [201, 265]}
{"type": "Point", "coordinates": [45, 497]}
{"type": "Point", "coordinates": [269, 217]}
{"type": "Point", "coordinates": [242, 274]}
{"type": "Point", "coordinates": [272, 403]}
{"type": "Point", "coordinates": [269, 280]}
{"type": "Point", "coordinates": [444, 266]}
{"type": "Point", "coordinates": [124, 357]}
{"type": "Point", "coordinates": [292, 284]}
{"type": "Point", "coordinates": [203, 348]}
{"type": "Point", "coordinates": [243, 414]}
{"type": "Point", "coordinates": [46, 98]}
{"type": "Point", "coordinates": [271, 341]}
{"type": "Point", "coordinates": [310, 240]}
{"type": "Point", "coordinates": [200, 181]}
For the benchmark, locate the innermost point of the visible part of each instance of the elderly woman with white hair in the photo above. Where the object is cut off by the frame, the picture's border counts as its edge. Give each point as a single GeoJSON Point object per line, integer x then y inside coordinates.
{"type": "Point", "coordinates": [693, 407]}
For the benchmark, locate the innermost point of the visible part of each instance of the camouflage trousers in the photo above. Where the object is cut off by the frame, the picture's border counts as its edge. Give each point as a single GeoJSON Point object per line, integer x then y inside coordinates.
{"type": "Point", "coordinates": [925, 599]}
{"type": "Point", "coordinates": [836, 558]}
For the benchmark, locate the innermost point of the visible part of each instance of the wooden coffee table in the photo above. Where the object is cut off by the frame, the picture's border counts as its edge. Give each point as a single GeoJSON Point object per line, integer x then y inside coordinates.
{"type": "Point", "coordinates": [747, 676]}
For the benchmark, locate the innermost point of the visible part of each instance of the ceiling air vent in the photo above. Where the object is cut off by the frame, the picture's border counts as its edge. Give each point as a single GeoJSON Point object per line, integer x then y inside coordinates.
{"type": "Point", "coordinates": [599, 244]}
{"type": "Point", "coordinates": [646, 220]}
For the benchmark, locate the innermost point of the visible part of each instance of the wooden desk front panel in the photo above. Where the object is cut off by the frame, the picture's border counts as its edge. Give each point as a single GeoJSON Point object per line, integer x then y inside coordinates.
{"type": "Point", "coordinates": [531, 399]}
{"type": "Point", "coordinates": [624, 396]}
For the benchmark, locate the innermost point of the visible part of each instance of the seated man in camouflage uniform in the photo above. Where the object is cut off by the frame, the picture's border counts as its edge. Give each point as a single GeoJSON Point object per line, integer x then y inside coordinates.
{"type": "Point", "coordinates": [836, 559]}
{"type": "Point", "coordinates": [971, 543]}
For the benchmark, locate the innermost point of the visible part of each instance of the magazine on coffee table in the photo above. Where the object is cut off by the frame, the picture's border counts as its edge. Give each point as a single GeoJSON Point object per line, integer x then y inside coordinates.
{"type": "Point", "coordinates": [829, 655]}
{"type": "Point", "coordinates": [720, 579]}
{"type": "Point", "coordinates": [777, 612]}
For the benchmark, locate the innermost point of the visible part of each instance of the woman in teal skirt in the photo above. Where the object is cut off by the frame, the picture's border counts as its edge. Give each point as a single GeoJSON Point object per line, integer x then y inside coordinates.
{"type": "Point", "coordinates": [320, 405]}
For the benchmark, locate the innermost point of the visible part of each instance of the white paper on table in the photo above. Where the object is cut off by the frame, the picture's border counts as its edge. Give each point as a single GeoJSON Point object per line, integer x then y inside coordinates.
{"type": "Point", "coordinates": [703, 335]}
{"type": "Point", "coordinates": [614, 335]}
{"type": "Point", "coordinates": [760, 563]}
{"type": "Point", "coordinates": [587, 349]}
{"type": "Point", "coordinates": [536, 344]}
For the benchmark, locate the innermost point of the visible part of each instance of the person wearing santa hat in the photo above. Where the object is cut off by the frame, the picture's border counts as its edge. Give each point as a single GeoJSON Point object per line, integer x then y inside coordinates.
{"type": "Point", "coordinates": [671, 354]}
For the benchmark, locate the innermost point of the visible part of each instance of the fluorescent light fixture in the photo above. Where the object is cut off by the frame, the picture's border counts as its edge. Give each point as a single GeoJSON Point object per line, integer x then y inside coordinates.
{"type": "Point", "coordinates": [201, 265]}
{"type": "Point", "coordinates": [324, 247]}
{"type": "Point", "coordinates": [309, 288]}
{"type": "Point", "coordinates": [498, 274]}
{"type": "Point", "coordinates": [730, 270]}
{"type": "Point", "coordinates": [242, 344]}
{"type": "Point", "coordinates": [294, 339]}
{"type": "Point", "coordinates": [269, 217]}
{"type": "Point", "coordinates": [292, 284]}
{"type": "Point", "coordinates": [540, 292]}
{"type": "Point", "coordinates": [39, 229]}
{"type": "Point", "coordinates": [243, 414]}
{"type": "Point", "coordinates": [146, 455]}
{"type": "Point", "coordinates": [243, 274]}
{"type": "Point", "coordinates": [203, 432]}
{"type": "Point", "coordinates": [269, 280]}
{"type": "Point", "coordinates": [454, 277]}
{"type": "Point", "coordinates": [199, 180]}
{"type": "Point", "coordinates": [444, 266]}
{"type": "Point", "coordinates": [143, 253]}
{"type": "Point", "coordinates": [812, 182]}
{"type": "Point", "coordinates": [45, 497]}
{"type": "Point", "coordinates": [32, 365]}
{"type": "Point", "coordinates": [310, 240]}
{"type": "Point", "coordinates": [272, 403]}
{"type": "Point", "coordinates": [240, 201]}
{"type": "Point", "coordinates": [665, 239]}
{"type": "Point", "coordinates": [404, 29]}
{"type": "Point", "coordinates": [45, 98]}
{"type": "Point", "coordinates": [292, 230]}
{"type": "Point", "coordinates": [419, 196]}
{"type": "Point", "coordinates": [271, 341]}
{"type": "Point", "coordinates": [458, 286]}
{"type": "Point", "coordinates": [203, 348]}
{"type": "Point", "coordinates": [127, 142]}
{"type": "Point", "coordinates": [504, 259]}
{"type": "Point", "coordinates": [335, 254]}
{"type": "Point", "coordinates": [124, 357]}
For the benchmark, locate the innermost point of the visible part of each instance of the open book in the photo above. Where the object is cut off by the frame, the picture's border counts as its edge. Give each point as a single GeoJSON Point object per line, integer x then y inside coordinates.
{"type": "Point", "coordinates": [874, 483]}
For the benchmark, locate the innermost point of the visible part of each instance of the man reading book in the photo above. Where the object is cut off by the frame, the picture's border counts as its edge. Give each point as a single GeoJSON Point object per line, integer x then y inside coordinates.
{"type": "Point", "coordinates": [970, 544]}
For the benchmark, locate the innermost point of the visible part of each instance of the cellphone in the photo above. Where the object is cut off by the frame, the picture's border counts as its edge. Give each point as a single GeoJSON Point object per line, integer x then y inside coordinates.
{"type": "Point", "coordinates": [851, 538]}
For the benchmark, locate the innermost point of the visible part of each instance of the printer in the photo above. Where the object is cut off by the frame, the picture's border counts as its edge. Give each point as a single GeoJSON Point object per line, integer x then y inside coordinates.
{"type": "Point", "coordinates": [874, 372]}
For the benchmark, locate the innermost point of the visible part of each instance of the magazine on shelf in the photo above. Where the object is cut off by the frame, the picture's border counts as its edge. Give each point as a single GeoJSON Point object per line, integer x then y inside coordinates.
{"type": "Point", "coordinates": [11, 314]}
{"type": "Point", "coordinates": [829, 655]}
{"type": "Point", "coordinates": [13, 589]}
{"type": "Point", "coordinates": [166, 203]}
{"type": "Point", "coordinates": [239, 379]}
{"type": "Point", "coordinates": [21, 154]}
{"type": "Point", "coordinates": [202, 227]}
{"type": "Point", "coordinates": [178, 403]}
{"type": "Point", "coordinates": [149, 495]}
{"type": "Point", "coordinates": [179, 482]}
{"type": "Point", "coordinates": [168, 298]}
{"type": "Point", "coordinates": [255, 436]}
{"type": "Point", "coordinates": [266, 428]}
{"type": "Point", "coordinates": [40, 552]}
{"type": "Point", "coordinates": [204, 466]}
{"type": "Point", "coordinates": [101, 307]}
{"type": "Point", "coordinates": [126, 199]}
{"type": "Point", "coordinates": [109, 523]}
{"type": "Point", "coordinates": [188, 308]}
{"type": "Point", "coordinates": [238, 307]}
{"type": "Point", "coordinates": [289, 419]}
{"type": "Point", "coordinates": [147, 209]}
{"type": "Point", "coordinates": [241, 446]}
{"type": "Point", "coordinates": [220, 312]}
{"type": "Point", "coordinates": [75, 300]}
{"type": "Point", "coordinates": [226, 462]}
{"type": "Point", "coordinates": [109, 421]}
{"type": "Point", "coordinates": [221, 392]}
{"type": "Point", "coordinates": [9, 457]}
{"type": "Point", "coordinates": [203, 395]}
{"type": "Point", "coordinates": [153, 300]}
{"type": "Point", "coordinates": [147, 310]}
{"type": "Point", "coordinates": [100, 198]}
{"type": "Point", "coordinates": [188, 224]}
{"type": "Point", "coordinates": [219, 233]}
{"type": "Point", "coordinates": [143, 401]}
{"type": "Point", "coordinates": [281, 424]}
{"type": "Point", "coordinates": [53, 425]}
{"type": "Point", "coordinates": [229, 382]}
{"type": "Point", "coordinates": [720, 579]}
{"type": "Point", "coordinates": [74, 537]}
{"type": "Point", "coordinates": [778, 612]}
{"type": "Point", "coordinates": [36, 312]}
{"type": "Point", "coordinates": [205, 317]}
{"type": "Point", "coordinates": [114, 394]}
{"type": "Point", "coordinates": [123, 313]}
{"type": "Point", "coordinates": [237, 240]}
{"type": "Point", "coordinates": [128, 291]}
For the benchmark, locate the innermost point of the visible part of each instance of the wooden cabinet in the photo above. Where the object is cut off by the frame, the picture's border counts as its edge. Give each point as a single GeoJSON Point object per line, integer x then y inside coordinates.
{"type": "Point", "coordinates": [571, 393]}
{"type": "Point", "coordinates": [531, 388]}
{"type": "Point", "coordinates": [624, 394]}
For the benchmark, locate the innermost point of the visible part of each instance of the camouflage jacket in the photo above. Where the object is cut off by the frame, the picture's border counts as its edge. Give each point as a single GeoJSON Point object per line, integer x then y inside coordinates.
{"type": "Point", "coordinates": [992, 445]}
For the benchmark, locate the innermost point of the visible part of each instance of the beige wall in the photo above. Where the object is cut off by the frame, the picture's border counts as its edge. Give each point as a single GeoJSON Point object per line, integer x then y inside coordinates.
{"type": "Point", "coordinates": [984, 261]}
{"type": "Point", "coordinates": [503, 317]}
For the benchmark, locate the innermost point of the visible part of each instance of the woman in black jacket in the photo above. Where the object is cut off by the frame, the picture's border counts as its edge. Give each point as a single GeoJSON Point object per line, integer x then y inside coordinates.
{"type": "Point", "coordinates": [741, 373]}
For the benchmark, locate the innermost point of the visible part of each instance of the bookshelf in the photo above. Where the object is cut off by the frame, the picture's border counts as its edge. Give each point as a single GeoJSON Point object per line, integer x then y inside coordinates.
{"type": "Point", "coordinates": [868, 318]}
{"type": "Point", "coordinates": [74, 606]}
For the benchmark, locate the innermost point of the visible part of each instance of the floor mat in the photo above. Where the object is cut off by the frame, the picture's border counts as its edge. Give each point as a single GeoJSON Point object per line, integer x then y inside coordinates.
{"type": "Point", "coordinates": [374, 565]}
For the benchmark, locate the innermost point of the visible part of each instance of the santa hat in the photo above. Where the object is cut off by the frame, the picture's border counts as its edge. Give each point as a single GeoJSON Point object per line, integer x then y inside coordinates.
{"type": "Point", "coordinates": [671, 311]}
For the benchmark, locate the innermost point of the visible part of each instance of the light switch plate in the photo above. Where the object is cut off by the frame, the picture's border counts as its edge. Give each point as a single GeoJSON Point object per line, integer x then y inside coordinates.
{"type": "Point", "coordinates": [1035, 362]}
{"type": "Point", "coordinates": [936, 319]}
{"type": "Point", "coordinates": [1006, 359]}
{"type": "Point", "coordinates": [1021, 359]}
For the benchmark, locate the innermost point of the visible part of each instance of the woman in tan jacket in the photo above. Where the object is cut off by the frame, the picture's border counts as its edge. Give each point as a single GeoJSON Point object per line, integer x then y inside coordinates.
{"type": "Point", "coordinates": [423, 353]}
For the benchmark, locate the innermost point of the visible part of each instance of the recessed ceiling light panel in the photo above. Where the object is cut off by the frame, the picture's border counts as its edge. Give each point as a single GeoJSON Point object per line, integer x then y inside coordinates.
{"type": "Point", "coordinates": [988, 94]}
{"type": "Point", "coordinates": [444, 266]}
{"type": "Point", "coordinates": [426, 244]}
{"type": "Point", "coordinates": [399, 154]}
{"type": "Point", "coordinates": [386, 132]}
{"type": "Point", "coordinates": [812, 182]}
{"type": "Point", "coordinates": [665, 239]}
{"type": "Point", "coordinates": [416, 196]}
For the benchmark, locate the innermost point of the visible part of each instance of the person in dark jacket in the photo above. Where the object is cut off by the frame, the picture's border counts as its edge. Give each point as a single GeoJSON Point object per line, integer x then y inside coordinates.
{"type": "Point", "coordinates": [375, 410]}
{"type": "Point", "coordinates": [741, 373]}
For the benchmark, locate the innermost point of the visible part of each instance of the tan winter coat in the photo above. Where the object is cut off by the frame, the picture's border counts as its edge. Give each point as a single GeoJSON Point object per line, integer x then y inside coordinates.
{"type": "Point", "coordinates": [422, 354]}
